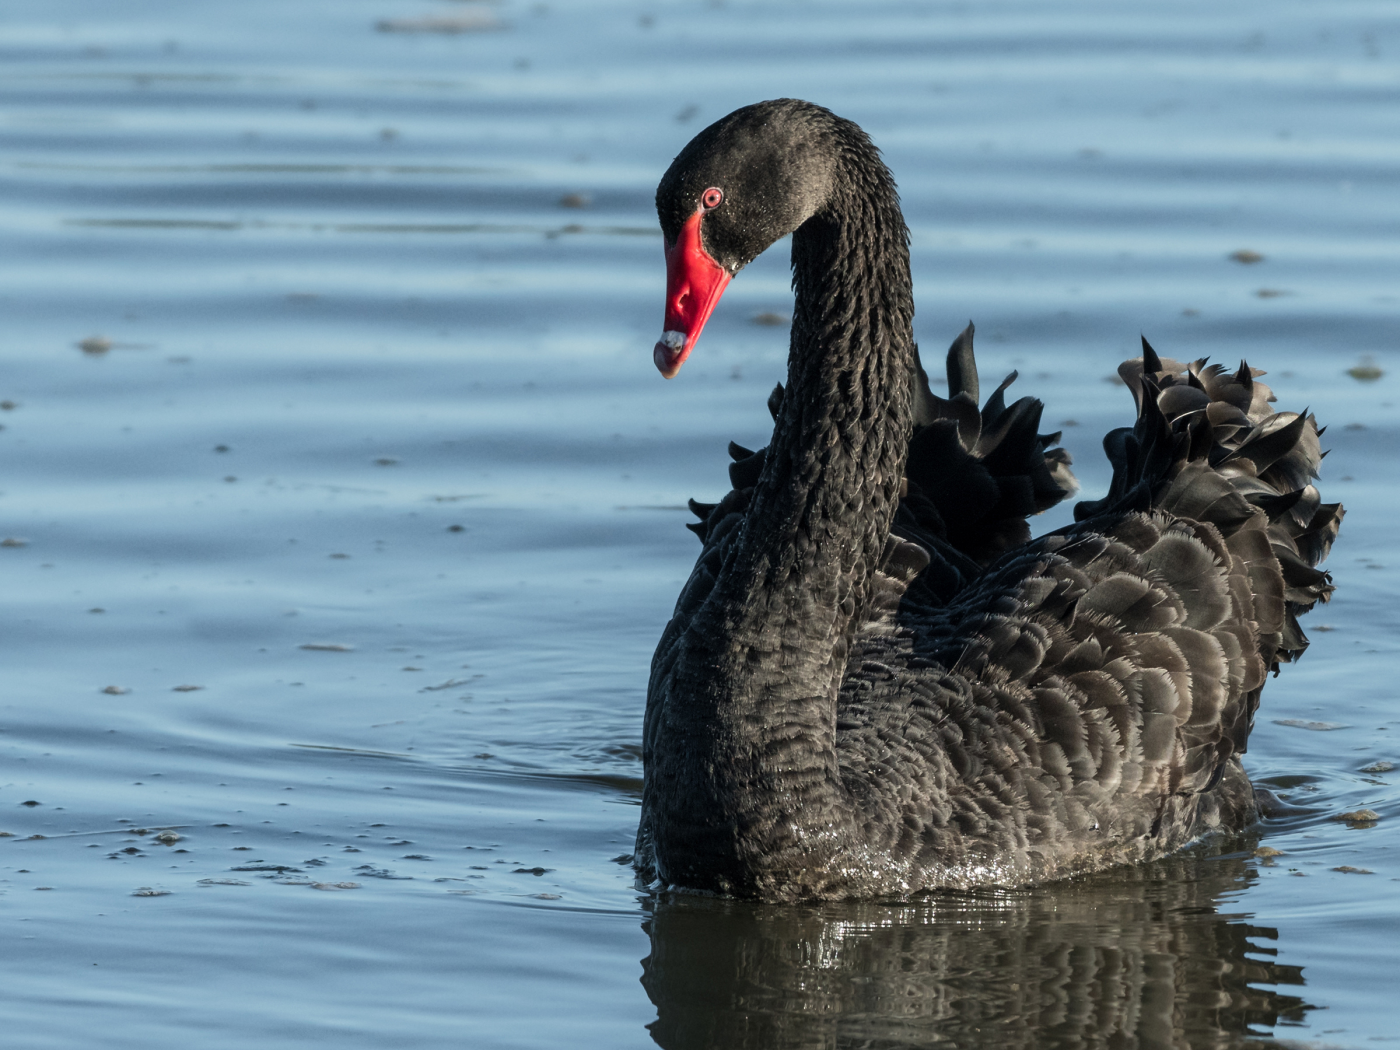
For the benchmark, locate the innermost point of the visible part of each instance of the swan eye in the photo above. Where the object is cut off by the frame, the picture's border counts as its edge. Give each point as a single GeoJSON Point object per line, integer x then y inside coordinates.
{"type": "Point", "coordinates": [711, 198]}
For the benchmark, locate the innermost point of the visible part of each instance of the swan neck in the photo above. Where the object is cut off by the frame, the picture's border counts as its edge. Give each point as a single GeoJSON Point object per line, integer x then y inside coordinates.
{"type": "Point", "coordinates": [741, 716]}
{"type": "Point", "coordinates": [822, 508]}
{"type": "Point", "coordinates": [842, 434]}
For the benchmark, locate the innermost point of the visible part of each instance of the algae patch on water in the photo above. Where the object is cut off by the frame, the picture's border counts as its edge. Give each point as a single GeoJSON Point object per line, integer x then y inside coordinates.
{"type": "Point", "coordinates": [1366, 372]}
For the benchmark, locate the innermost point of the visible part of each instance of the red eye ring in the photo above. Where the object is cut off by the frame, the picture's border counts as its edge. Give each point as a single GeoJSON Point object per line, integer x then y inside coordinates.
{"type": "Point", "coordinates": [711, 198]}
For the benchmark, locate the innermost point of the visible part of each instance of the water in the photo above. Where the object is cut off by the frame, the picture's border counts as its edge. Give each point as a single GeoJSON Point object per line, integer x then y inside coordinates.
{"type": "Point", "coordinates": [377, 383]}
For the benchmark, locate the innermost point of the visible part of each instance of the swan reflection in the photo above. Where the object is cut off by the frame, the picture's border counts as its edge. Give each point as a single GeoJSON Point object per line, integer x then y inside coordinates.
{"type": "Point", "coordinates": [1145, 957]}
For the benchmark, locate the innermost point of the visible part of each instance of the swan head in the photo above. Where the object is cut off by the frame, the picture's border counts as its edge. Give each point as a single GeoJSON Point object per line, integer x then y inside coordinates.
{"type": "Point", "coordinates": [740, 185]}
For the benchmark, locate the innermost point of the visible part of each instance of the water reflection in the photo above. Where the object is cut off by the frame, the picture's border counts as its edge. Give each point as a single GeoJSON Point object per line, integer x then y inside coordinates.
{"type": "Point", "coordinates": [1140, 958]}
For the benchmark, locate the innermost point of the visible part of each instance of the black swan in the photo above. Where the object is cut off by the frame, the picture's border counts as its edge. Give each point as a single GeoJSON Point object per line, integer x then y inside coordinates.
{"type": "Point", "coordinates": [875, 683]}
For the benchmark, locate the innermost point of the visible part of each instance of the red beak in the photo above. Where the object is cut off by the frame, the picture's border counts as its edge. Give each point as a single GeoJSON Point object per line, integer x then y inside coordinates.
{"type": "Point", "coordinates": [694, 283]}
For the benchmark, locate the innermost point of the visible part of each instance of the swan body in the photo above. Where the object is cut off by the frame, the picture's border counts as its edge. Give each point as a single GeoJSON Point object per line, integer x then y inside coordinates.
{"type": "Point", "coordinates": [874, 682]}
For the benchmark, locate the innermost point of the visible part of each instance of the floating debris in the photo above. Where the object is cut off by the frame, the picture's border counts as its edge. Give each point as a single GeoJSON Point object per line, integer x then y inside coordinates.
{"type": "Point", "coordinates": [1316, 727]}
{"type": "Point", "coordinates": [475, 22]}
{"type": "Point", "coordinates": [1354, 871]}
{"type": "Point", "coordinates": [334, 885]}
{"type": "Point", "coordinates": [532, 871]}
{"type": "Point", "coordinates": [1246, 256]}
{"type": "Point", "coordinates": [546, 896]}
{"type": "Point", "coordinates": [8, 406]}
{"type": "Point", "coordinates": [94, 344]}
{"type": "Point", "coordinates": [328, 647]}
{"type": "Point", "coordinates": [575, 200]}
{"type": "Point", "coordinates": [768, 319]}
{"type": "Point", "coordinates": [1383, 766]}
{"type": "Point", "coordinates": [186, 688]}
{"type": "Point", "coordinates": [115, 690]}
{"type": "Point", "coordinates": [168, 838]}
{"type": "Point", "coordinates": [13, 541]}
{"type": "Point", "coordinates": [456, 528]}
{"type": "Point", "coordinates": [1366, 372]}
{"type": "Point", "coordinates": [31, 803]}
{"type": "Point", "coordinates": [451, 683]}
{"type": "Point", "coordinates": [387, 461]}
{"type": "Point", "coordinates": [223, 882]}
{"type": "Point", "coordinates": [1272, 293]}
{"type": "Point", "coordinates": [146, 891]}
{"type": "Point", "coordinates": [370, 871]}
{"type": "Point", "coordinates": [1359, 817]}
